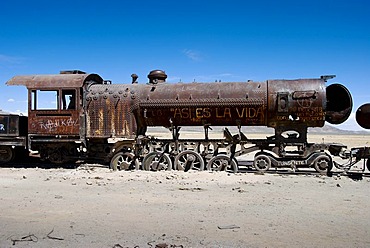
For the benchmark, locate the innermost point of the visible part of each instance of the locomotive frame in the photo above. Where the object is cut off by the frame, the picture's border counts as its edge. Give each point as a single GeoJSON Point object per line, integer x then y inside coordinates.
{"type": "Point", "coordinates": [93, 120]}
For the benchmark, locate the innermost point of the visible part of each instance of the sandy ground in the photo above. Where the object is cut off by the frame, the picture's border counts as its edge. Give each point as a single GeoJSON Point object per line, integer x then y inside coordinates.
{"type": "Point", "coordinates": [92, 206]}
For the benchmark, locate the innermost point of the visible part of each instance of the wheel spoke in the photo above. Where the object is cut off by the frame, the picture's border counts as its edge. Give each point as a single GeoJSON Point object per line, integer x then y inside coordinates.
{"type": "Point", "coordinates": [155, 161]}
{"type": "Point", "coordinates": [189, 160]}
{"type": "Point", "coordinates": [123, 161]}
{"type": "Point", "coordinates": [322, 164]}
{"type": "Point", "coordinates": [222, 163]}
{"type": "Point", "coordinates": [262, 162]}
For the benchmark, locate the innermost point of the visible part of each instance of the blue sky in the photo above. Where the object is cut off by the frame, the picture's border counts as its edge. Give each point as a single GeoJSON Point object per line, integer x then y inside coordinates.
{"type": "Point", "coordinates": [191, 40]}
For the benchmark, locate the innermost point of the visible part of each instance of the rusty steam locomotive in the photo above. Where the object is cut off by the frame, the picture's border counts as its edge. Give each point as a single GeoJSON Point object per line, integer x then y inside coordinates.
{"type": "Point", "coordinates": [77, 116]}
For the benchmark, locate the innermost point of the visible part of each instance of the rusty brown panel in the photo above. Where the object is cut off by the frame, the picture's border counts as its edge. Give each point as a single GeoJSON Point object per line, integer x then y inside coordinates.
{"type": "Point", "coordinates": [53, 123]}
{"type": "Point", "coordinates": [94, 119]}
{"type": "Point", "coordinates": [54, 81]}
{"type": "Point", "coordinates": [108, 111]}
{"type": "Point", "coordinates": [95, 114]}
{"type": "Point", "coordinates": [296, 102]}
{"type": "Point", "coordinates": [124, 123]}
{"type": "Point", "coordinates": [217, 104]}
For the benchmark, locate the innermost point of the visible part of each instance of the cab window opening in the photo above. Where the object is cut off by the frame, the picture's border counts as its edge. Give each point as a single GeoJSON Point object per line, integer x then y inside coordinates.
{"type": "Point", "coordinates": [50, 100]}
{"type": "Point", "coordinates": [44, 100]}
{"type": "Point", "coordinates": [68, 99]}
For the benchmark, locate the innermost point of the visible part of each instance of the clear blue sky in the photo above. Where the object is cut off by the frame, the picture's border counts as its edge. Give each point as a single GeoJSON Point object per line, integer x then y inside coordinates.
{"type": "Point", "coordinates": [190, 40]}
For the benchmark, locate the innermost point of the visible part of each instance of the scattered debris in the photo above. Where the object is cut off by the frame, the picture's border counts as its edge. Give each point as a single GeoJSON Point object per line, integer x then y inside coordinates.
{"type": "Point", "coordinates": [52, 237]}
{"type": "Point", "coordinates": [101, 183]}
{"type": "Point", "coordinates": [191, 189]}
{"type": "Point", "coordinates": [117, 246]}
{"type": "Point", "coordinates": [97, 178]}
{"type": "Point", "coordinates": [228, 227]}
{"type": "Point", "coordinates": [164, 245]}
{"type": "Point", "coordinates": [33, 238]}
{"type": "Point", "coordinates": [169, 177]}
{"type": "Point", "coordinates": [28, 238]}
{"type": "Point", "coordinates": [239, 189]}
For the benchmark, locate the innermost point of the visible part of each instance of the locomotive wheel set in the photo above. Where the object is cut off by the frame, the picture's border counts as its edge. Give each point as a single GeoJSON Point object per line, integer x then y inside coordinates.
{"type": "Point", "coordinates": [93, 120]}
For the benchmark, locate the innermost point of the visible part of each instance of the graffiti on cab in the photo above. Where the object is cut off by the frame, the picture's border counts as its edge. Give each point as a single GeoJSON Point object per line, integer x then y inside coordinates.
{"type": "Point", "coordinates": [52, 125]}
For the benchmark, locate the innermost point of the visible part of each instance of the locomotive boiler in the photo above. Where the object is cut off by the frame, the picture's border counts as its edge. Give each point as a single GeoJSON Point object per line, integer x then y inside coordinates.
{"type": "Point", "coordinates": [96, 120]}
{"type": "Point", "coordinates": [280, 104]}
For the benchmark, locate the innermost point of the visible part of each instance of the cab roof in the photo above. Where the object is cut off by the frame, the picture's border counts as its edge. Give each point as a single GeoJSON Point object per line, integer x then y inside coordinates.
{"type": "Point", "coordinates": [54, 81]}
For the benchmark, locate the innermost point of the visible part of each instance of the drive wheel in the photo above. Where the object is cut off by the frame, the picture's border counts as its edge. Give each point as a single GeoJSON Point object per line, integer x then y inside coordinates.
{"type": "Point", "coordinates": [262, 163]}
{"type": "Point", "coordinates": [6, 154]}
{"type": "Point", "coordinates": [58, 155]}
{"type": "Point", "coordinates": [189, 160]}
{"type": "Point", "coordinates": [156, 161]}
{"type": "Point", "coordinates": [123, 161]}
{"type": "Point", "coordinates": [323, 164]}
{"type": "Point", "coordinates": [222, 163]}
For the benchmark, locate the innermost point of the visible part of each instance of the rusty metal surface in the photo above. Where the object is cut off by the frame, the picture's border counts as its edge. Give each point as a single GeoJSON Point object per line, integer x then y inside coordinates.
{"type": "Point", "coordinates": [106, 118]}
{"type": "Point", "coordinates": [217, 104]}
{"type": "Point", "coordinates": [109, 111]}
{"type": "Point", "coordinates": [273, 103]}
{"type": "Point", "coordinates": [157, 76]}
{"type": "Point", "coordinates": [123, 110]}
{"type": "Point", "coordinates": [53, 81]}
{"type": "Point", "coordinates": [53, 123]}
{"type": "Point", "coordinates": [296, 102]}
{"type": "Point", "coordinates": [281, 104]}
{"type": "Point", "coordinates": [59, 119]}
{"type": "Point", "coordinates": [363, 116]}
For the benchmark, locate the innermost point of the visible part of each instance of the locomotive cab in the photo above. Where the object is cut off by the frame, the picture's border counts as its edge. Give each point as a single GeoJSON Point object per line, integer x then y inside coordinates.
{"type": "Point", "coordinates": [55, 113]}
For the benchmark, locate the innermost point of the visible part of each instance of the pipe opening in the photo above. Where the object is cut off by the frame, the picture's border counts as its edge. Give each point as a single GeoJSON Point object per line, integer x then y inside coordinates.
{"type": "Point", "coordinates": [339, 104]}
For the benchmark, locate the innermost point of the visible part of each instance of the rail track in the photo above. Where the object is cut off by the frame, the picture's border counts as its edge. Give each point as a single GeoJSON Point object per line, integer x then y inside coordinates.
{"type": "Point", "coordinates": [244, 167]}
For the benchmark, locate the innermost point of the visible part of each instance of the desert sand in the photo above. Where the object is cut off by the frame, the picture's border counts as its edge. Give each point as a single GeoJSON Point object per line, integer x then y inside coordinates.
{"type": "Point", "coordinates": [92, 206]}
